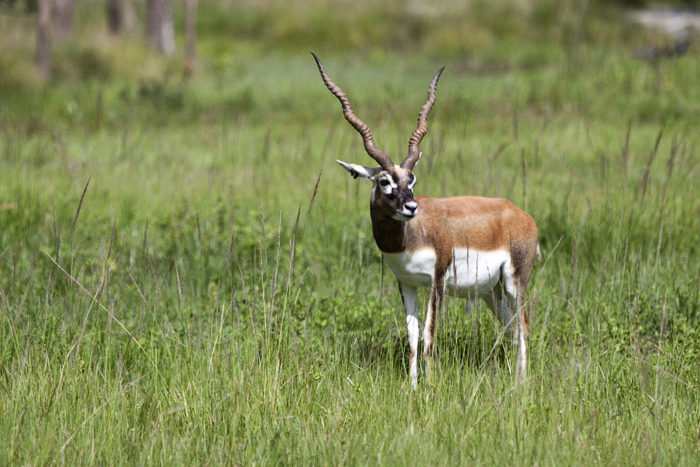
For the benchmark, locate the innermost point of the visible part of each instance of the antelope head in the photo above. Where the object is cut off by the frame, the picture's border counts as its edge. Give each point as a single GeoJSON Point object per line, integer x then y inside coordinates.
{"type": "Point", "coordinates": [392, 192]}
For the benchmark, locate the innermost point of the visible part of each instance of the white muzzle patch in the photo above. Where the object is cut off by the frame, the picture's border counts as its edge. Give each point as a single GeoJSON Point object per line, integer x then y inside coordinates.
{"type": "Point", "coordinates": [408, 211]}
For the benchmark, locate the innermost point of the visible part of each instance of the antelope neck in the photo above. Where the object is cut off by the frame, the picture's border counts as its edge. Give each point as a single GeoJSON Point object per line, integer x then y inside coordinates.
{"type": "Point", "coordinates": [389, 234]}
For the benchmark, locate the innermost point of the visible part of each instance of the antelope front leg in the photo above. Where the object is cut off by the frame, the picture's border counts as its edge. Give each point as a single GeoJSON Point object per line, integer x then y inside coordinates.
{"type": "Point", "coordinates": [434, 305]}
{"type": "Point", "coordinates": [409, 295]}
{"type": "Point", "coordinates": [523, 337]}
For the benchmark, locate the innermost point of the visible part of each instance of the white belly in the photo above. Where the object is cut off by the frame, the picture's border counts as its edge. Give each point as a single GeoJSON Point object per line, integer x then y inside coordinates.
{"type": "Point", "coordinates": [471, 273]}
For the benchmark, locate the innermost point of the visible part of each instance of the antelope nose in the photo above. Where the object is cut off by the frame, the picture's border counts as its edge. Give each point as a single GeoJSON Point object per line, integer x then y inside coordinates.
{"type": "Point", "coordinates": [411, 206]}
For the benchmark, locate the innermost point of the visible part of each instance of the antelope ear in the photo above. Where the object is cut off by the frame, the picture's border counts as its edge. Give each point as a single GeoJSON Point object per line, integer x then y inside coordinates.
{"type": "Point", "coordinates": [357, 170]}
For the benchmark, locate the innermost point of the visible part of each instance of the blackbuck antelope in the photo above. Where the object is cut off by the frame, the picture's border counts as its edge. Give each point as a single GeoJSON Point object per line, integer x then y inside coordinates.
{"type": "Point", "coordinates": [472, 246]}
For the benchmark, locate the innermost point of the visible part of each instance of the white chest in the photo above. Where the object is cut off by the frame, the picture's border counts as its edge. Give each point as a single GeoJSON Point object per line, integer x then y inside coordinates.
{"type": "Point", "coordinates": [416, 268]}
{"type": "Point", "coordinates": [471, 272]}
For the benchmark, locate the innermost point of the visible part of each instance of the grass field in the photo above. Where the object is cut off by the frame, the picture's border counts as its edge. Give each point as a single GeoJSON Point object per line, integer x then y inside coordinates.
{"type": "Point", "coordinates": [186, 276]}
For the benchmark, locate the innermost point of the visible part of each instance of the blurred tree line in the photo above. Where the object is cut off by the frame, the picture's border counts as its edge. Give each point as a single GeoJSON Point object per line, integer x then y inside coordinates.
{"type": "Point", "coordinates": [56, 23]}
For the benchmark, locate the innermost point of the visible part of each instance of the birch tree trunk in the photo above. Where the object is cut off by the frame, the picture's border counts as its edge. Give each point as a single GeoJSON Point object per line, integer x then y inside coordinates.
{"type": "Point", "coordinates": [62, 15]}
{"type": "Point", "coordinates": [190, 36]}
{"type": "Point", "coordinates": [43, 39]}
{"type": "Point", "coordinates": [159, 26]}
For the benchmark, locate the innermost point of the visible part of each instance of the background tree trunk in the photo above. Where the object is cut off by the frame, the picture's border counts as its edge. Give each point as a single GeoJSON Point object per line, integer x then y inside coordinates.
{"type": "Point", "coordinates": [190, 36]}
{"type": "Point", "coordinates": [159, 26]}
{"type": "Point", "coordinates": [115, 16]}
{"type": "Point", "coordinates": [121, 16]}
{"type": "Point", "coordinates": [43, 39]}
{"type": "Point", "coordinates": [62, 15]}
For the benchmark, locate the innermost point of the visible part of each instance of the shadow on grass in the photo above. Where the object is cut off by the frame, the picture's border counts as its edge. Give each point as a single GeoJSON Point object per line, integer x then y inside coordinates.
{"type": "Point", "coordinates": [474, 346]}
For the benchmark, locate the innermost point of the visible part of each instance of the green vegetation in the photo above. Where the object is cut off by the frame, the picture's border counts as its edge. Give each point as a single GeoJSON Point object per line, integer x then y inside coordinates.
{"type": "Point", "coordinates": [215, 294]}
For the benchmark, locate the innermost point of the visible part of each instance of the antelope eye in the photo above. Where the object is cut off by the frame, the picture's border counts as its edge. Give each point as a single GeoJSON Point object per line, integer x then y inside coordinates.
{"type": "Point", "coordinates": [383, 182]}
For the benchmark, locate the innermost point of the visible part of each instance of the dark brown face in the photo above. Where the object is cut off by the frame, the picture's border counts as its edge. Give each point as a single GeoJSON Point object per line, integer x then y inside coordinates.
{"type": "Point", "coordinates": [394, 191]}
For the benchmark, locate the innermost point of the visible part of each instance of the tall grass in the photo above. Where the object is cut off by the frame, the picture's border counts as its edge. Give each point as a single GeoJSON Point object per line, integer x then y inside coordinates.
{"type": "Point", "coordinates": [186, 277]}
